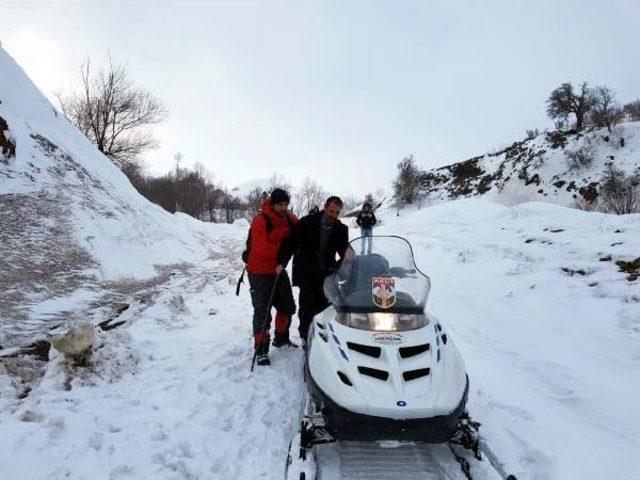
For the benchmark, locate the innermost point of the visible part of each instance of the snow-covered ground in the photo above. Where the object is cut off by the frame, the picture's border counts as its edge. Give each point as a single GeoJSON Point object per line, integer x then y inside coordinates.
{"type": "Point", "coordinates": [548, 325]}
{"type": "Point", "coordinates": [552, 356]}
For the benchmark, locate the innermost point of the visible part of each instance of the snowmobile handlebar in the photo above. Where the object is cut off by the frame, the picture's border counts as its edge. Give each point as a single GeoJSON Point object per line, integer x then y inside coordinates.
{"type": "Point", "coordinates": [401, 272]}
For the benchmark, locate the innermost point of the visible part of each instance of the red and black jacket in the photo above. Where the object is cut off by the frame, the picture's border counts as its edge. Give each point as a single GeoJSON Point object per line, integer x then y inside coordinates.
{"type": "Point", "coordinates": [266, 237]}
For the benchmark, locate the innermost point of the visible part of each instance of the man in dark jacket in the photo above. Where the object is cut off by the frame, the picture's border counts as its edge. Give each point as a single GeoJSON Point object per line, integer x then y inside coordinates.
{"type": "Point", "coordinates": [366, 220]}
{"type": "Point", "coordinates": [314, 244]}
{"type": "Point", "coordinates": [269, 230]}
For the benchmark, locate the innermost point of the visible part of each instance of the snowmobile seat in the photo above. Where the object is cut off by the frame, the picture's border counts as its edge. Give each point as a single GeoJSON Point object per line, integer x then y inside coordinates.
{"type": "Point", "coordinates": [368, 266]}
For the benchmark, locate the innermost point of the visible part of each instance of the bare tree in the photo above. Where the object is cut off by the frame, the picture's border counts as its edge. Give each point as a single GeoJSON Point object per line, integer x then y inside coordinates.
{"type": "Point", "coordinates": [632, 110]}
{"type": "Point", "coordinates": [368, 198]}
{"type": "Point", "coordinates": [231, 206]}
{"type": "Point", "coordinates": [531, 134]}
{"type": "Point", "coordinates": [114, 114]}
{"type": "Point", "coordinates": [188, 190]}
{"type": "Point", "coordinates": [563, 101]}
{"type": "Point", "coordinates": [255, 198]}
{"type": "Point", "coordinates": [406, 186]}
{"type": "Point", "coordinates": [204, 173]}
{"type": "Point", "coordinates": [277, 180]}
{"type": "Point", "coordinates": [214, 201]}
{"type": "Point", "coordinates": [310, 194]}
{"type": "Point", "coordinates": [193, 187]}
{"type": "Point", "coordinates": [606, 111]}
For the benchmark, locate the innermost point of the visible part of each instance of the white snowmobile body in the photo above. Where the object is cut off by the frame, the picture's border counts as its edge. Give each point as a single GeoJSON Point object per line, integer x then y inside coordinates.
{"type": "Point", "coordinates": [379, 366]}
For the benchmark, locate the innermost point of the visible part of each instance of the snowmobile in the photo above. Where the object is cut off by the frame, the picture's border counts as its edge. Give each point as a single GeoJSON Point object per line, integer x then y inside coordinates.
{"type": "Point", "coordinates": [378, 366]}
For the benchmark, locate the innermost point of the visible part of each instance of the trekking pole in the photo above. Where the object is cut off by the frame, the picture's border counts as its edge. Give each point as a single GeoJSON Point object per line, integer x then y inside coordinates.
{"type": "Point", "coordinates": [240, 281]}
{"type": "Point", "coordinates": [266, 317]}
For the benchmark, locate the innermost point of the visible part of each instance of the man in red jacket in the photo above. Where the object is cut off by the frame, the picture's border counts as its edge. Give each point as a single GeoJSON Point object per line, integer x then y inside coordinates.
{"type": "Point", "coordinates": [268, 230]}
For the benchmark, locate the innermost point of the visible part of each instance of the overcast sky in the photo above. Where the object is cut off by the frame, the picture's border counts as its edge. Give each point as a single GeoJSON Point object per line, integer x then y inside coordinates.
{"type": "Point", "coordinates": [336, 90]}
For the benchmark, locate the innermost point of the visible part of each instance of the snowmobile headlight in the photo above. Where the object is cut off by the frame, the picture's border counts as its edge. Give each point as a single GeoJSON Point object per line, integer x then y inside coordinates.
{"type": "Point", "coordinates": [383, 322]}
{"type": "Point", "coordinates": [393, 322]}
{"type": "Point", "coordinates": [354, 320]}
{"type": "Point", "coordinates": [412, 321]}
{"type": "Point", "coordinates": [359, 320]}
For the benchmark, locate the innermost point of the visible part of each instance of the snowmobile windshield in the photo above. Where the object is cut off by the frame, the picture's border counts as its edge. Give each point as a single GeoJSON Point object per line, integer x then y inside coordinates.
{"type": "Point", "coordinates": [385, 279]}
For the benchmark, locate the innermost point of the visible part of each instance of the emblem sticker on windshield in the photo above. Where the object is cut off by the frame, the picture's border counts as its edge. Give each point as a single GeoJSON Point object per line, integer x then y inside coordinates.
{"type": "Point", "coordinates": [383, 291]}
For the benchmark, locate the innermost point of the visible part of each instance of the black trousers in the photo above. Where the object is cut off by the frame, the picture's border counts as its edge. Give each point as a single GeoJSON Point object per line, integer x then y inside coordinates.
{"type": "Point", "coordinates": [283, 302]}
{"type": "Point", "coordinates": [311, 302]}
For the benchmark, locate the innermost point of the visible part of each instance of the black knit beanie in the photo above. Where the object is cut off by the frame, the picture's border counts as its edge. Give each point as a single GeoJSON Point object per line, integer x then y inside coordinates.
{"type": "Point", "coordinates": [278, 196]}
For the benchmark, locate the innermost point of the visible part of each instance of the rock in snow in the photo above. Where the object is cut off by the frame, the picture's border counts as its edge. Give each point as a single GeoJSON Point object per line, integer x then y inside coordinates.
{"type": "Point", "coordinates": [74, 340]}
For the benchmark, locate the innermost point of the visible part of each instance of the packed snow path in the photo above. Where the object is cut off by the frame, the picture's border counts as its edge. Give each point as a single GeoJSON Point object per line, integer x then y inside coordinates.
{"type": "Point", "coordinates": [181, 403]}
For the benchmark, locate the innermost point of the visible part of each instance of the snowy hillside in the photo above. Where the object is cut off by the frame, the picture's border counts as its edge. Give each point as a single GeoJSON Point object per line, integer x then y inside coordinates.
{"type": "Point", "coordinates": [540, 169]}
{"type": "Point", "coordinates": [73, 231]}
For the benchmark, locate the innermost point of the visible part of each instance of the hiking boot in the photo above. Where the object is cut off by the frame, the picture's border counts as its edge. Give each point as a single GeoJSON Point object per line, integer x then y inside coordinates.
{"type": "Point", "coordinates": [262, 352]}
{"type": "Point", "coordinates": [263, 360]}
{"type": "Point", "coordinates": [282, 340]}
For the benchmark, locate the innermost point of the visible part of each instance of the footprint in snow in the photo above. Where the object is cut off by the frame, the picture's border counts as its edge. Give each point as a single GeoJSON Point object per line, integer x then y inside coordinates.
{"type": "Point", "coordinates": [120, 472]}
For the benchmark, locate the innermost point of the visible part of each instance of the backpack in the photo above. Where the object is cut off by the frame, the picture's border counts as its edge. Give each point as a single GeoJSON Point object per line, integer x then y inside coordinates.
{"type": "Point", "coordinates": [269, 228]}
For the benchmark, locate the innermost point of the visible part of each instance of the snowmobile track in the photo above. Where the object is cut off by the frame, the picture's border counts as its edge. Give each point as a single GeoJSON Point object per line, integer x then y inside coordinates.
{"type": "Point", "coordinates": [391, 461]}
{"type": "Point", "coordinates": [369, 461]}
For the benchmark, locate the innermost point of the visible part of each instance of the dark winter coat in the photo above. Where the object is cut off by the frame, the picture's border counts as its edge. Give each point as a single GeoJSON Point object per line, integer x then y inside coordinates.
{"type": "Point", "coordinates": [304, 245]}
{"type": "Point", "coordinates": [366, 219]}
{"type": "Point", "coordinates": [266, 241]}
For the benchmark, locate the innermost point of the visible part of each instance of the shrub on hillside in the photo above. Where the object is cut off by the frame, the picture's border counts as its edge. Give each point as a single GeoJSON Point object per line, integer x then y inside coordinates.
{"type": "Point", "coordinates": [619, 192]}
{"type": "Point", "coordinates": [582, 203]}
{"type": "Point", "coordinates": [531, 134]}
{"type": "Point", "coordinates": [632, 111]}
{"type": "Point", "coordinates": [557, 138]}
{"type": "Point", "coordinates": [580, 157]}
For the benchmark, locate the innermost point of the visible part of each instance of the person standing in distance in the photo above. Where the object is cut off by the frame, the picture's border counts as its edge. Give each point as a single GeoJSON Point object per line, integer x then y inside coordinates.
{"type": "Point", "coordinates": [366, 220]}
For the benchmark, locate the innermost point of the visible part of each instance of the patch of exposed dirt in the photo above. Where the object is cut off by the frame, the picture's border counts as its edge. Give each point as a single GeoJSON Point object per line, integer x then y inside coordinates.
{"type": "Point", "coordinates": [40, 257]}
{"type": "Point", "coordinates": [571, 272]}
{"type": "Point", "coordinates": [7, 145]}
{"type": "Point", "coordinates": [632, 268]}
{"type": "Point", "coordinates": [589, 193]}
